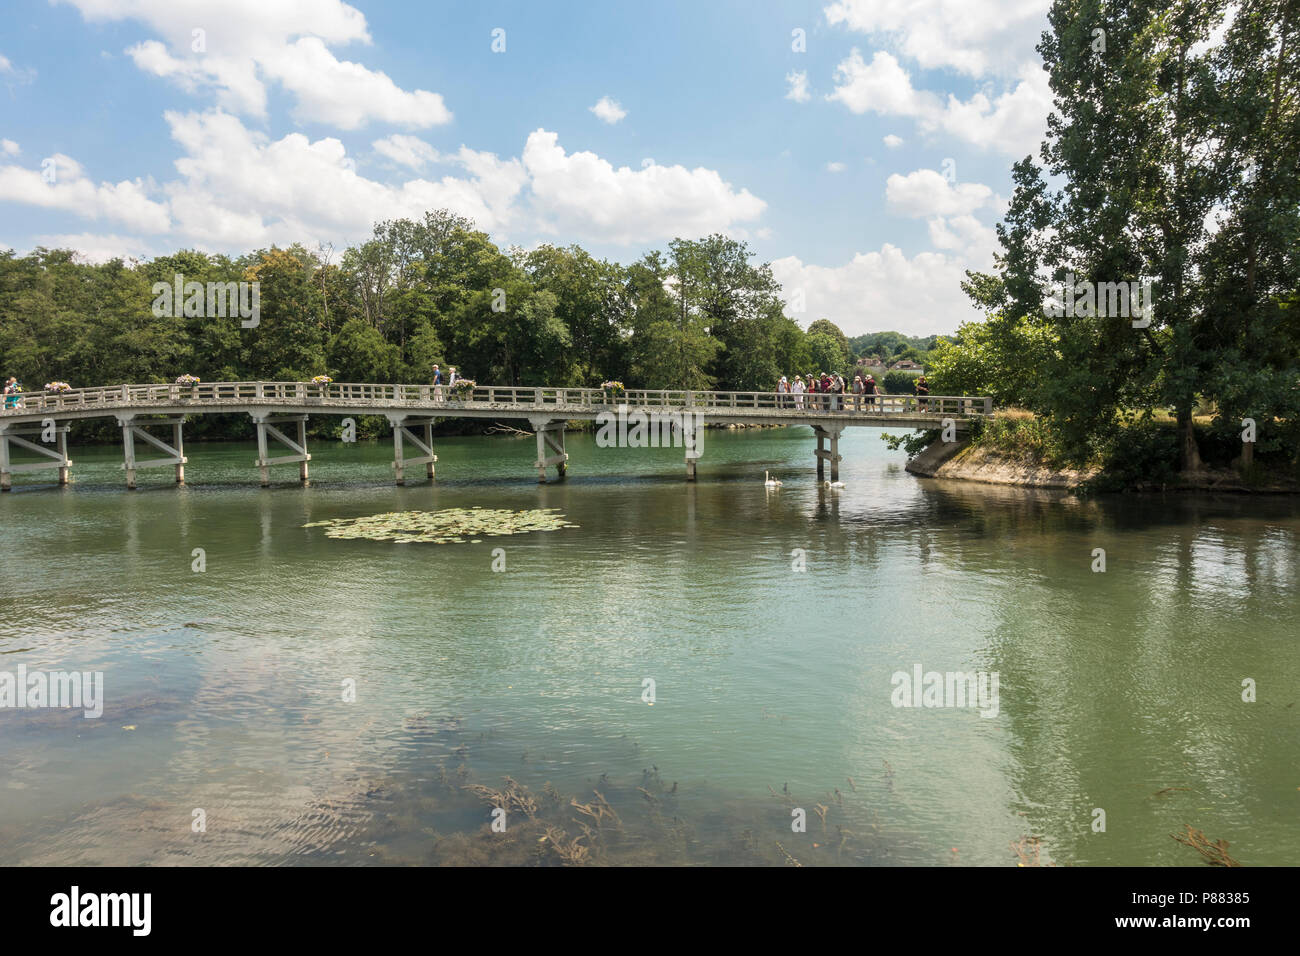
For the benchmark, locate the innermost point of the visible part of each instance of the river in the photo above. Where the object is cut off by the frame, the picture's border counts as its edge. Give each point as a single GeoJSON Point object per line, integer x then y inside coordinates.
{"type": "Point", "coordinates": [711, 659]}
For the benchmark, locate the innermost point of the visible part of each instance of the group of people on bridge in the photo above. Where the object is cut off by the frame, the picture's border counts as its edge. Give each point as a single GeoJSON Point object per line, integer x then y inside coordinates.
{"type": "Point", "coordinates": [827, 392]}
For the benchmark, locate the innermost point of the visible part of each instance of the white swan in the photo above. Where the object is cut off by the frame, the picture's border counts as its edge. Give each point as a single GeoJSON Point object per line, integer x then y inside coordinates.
{"type": "Point", "coordinates": [834, 484]}
{"type": "Point", "coordinates": [770, 482]}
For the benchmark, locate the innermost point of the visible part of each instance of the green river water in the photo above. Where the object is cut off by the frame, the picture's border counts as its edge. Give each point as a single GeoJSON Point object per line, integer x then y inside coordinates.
{"type": "Point", "coordinates": [224, 689]}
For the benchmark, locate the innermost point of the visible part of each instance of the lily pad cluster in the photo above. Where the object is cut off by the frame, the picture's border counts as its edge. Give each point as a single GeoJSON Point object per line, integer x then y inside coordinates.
{"type": "Point", "coordinates": [449, 526]}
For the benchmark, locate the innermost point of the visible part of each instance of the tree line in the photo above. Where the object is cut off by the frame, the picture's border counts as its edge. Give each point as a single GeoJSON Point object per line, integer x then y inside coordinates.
{"type": "Point", "coordinates": [701, 315]}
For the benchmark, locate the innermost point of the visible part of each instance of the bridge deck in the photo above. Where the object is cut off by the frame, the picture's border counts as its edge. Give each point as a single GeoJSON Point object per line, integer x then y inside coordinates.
{"type": "Point", "coordinates": [493, 402]}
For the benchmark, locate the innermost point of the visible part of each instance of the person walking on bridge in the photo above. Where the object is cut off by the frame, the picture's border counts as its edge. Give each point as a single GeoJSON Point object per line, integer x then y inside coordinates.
{"type": "Point", "coordinates": [782, 390]}
{"type": "Point", "coordinates": [858, 391]}
{"type": "Point", "coordinates": [437, 383]}
{"type": "Point", "coordinates": [922, 388]}
{"type": "Point", "coordinates": [870, 389]}
{"type": "Point", "coordinates": [799, 388]}
{"type": "Point", "coordinates": [12, 391]}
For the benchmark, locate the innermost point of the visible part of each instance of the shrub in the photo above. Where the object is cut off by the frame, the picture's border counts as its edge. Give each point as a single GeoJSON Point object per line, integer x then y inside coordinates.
{"type": "Point", "coordinates": [1021, 434]}
{"type": "Point", "coordinates": [1141, 452]}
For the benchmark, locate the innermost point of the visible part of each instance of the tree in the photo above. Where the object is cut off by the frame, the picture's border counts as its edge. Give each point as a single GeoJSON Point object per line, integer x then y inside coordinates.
{"type": "Point", "coordinates": [359, 353]}
{"type": "Point", "coordinates": [288, 344]}
{"type": "Point", "coordinates": [827, 353]}
{"type": "Point", "coordinates": [590, 302]}
{"type": "Point", "coordinates": [1149, 138]}
{"type": "Point", "coordinates": [830, 328]}
{"type": "Point", "coordinates": [717, 288]}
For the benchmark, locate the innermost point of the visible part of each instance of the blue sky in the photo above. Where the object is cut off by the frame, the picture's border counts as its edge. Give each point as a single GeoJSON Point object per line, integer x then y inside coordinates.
{"type": "Point", "coordinates": [125, 132]}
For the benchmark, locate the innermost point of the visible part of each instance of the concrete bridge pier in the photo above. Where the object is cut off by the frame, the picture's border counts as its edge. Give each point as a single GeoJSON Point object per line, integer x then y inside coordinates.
{"type": "Point", "coordinates": [266, 429]}
{"type": "Point", "coordinates": [550, 438]}
{"type": "Point", "coordinates": [175, 452]}
{"type": "Point", "coordinates": [832, 432]}
{"type": "Point", "coordinates": [57, 457]}
{"type": "Point", "coordinates": [402, 432]}
{"type": "Point", "coordinates": [690, 439]}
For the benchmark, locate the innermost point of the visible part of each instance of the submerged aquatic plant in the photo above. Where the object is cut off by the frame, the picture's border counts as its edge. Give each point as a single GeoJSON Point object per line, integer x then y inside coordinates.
{"type": "Point", "coordinates": [1215, 853]}
{"type": "Point", "coordinates": [449, 526]}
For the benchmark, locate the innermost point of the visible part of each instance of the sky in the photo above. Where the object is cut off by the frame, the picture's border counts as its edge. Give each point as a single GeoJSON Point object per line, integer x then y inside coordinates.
{"type": "Point", "coordinates": [862, 147]}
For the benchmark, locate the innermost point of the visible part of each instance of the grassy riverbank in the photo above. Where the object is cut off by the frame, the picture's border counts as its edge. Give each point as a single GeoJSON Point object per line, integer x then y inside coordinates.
{"type": "Point", "coordinates": [1018, 447]}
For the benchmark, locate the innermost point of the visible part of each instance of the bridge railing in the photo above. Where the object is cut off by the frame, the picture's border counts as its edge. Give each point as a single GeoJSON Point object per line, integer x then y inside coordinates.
{"type": "Point", "coordinates": [497, 396]}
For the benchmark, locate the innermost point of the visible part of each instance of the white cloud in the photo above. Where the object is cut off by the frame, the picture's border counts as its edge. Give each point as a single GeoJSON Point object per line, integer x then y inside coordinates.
{"type": "Point", "coordinates": [881, 86]}
{"type": "Point", "coordinates": [235, 79]}
{"type": "Point", "coordinates": [346, 94]}
{"type": "Point", "coordinates": [126, 202]}
{"type": "Point", "coordinates": [798, 80]}
{"type": "Point", "coordinates": [9, 147]}
{"type": "Point", "coordinates": [884, 290]}
{"type": "Point", "coordinates": [608, 110]}
{"type": "Point", "coordinates": [964, 235]}
{"type": "Point", "coordinates": [835, 167]}
{"type": "Point", "coordinates": [948, 207]}
{"type": "Point", "coordinates": [1012, 122]}
{"type": "Point", "coordinates": [893, 142]}
{"type": "Point", "coordinates": [584, 196]}
{"type": "Point", "coordinates": [237, 189]}
{"type": "Point", "coordinates": [975, 37]}
{"type": "Point", "coordinates": [927, 193]}
{"type": "Point", "coordinates": [246, 43]}
{"type": "Point", "coordinates": [410, 151]}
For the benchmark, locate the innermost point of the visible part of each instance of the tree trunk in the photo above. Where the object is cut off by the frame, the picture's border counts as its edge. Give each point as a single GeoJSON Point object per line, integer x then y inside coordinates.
{"type": "Point", "coordinates": [1189, 452]}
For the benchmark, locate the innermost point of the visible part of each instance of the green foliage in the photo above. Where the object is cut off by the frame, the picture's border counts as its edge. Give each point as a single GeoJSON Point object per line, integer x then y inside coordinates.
{"type": "Point", "coordinates": [914, 443]}
{"type": "Point", "coordinates": [891, 347]}
{"type": "Point", "coordinates": [1024, 438]}
{"type": "Point", "coordinates": [902, 383]}
{"type": "Point", "coordinates": [826, 353]}
{"type": "Point", "coordinates": [1143, 452]}
{"type": "Point", "coordinates": [827, 327]}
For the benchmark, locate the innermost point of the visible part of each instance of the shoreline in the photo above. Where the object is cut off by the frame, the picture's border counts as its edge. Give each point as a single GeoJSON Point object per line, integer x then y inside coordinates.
{"type": "Point", "coordinates": [962, 461]}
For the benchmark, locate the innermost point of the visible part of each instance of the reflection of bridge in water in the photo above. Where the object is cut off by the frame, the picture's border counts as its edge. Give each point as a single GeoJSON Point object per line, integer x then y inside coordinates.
{"type": "Point", "coordinates": [412, 410]}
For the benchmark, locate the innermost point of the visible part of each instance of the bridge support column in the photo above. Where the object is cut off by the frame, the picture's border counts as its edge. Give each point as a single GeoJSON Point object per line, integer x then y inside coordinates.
{"type": "Point", "coordinates": [691, 442]}
{"type": "Point", "coordinates": [824, 432]}
{"type": "Point", "coordinates": [175, 452]}
{"type": "Point", "coordinates": [550, 446]}
{"type": "Point", "coordinates": [10, 436]}
{"type": "Point", "coordinates": [403, 430]}
{"type": "Point", "coordinates": [266, 429]}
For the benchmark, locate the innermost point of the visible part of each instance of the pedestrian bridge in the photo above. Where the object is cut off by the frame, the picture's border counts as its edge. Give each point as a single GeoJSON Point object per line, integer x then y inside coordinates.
{"type": "Point", "coordinates": [412, 409]}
